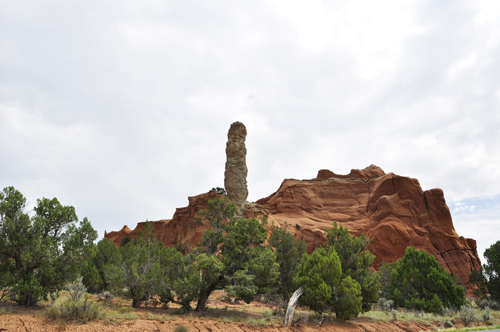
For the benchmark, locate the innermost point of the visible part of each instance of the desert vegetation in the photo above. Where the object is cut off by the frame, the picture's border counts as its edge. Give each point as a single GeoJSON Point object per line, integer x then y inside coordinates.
{"type": "Point", "coordinates": [49, 258]}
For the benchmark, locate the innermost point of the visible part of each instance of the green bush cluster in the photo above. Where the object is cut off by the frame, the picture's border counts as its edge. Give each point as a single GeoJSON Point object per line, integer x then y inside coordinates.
{"type": "Point", "coordinates": [231, 256]}
{"type": "Point", "coordinates": [288, 254]}
{"type": "Point", "coordinates": [337, 278]}
{"type": "Point", "coordinates": [75, 306]}
{"type": "Point", "coordinates": [39, 253]}
{"type": "Point", "coordinates": [417, 281]}
{"type": "Point", "coordinates": [488, 278]}
{"type": "Point", "coordinates": [467, 314]}
{"type": "Point", "coordinates": [486, 302]}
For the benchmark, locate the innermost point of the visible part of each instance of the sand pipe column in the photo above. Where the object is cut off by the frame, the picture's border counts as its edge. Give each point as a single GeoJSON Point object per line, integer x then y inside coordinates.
{"type": "Point", "coordinates": [235, 175]}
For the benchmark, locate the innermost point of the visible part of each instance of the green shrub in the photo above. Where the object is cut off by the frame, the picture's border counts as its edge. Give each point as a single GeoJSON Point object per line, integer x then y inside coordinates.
{"type": "Point", "coordinates": [355, 262]}
{"type": "Point", "coordinates": [124, 310]}
{"type": "Point", "coordinates": [318, 273]}
{"type": "Point", "coordinates": [39, 253]}
{"type": "Point", "coordinates": [467, 314]}
{"type": "Point", "coordinates": [486, 314]}
{"type": "Point", "coordinates": [5, 311]}
{"type": "Point", "coordinates": [288, 255]}
{"type": "Point", "coordinates": [492, 270]}
{"type": "Point", "coordinates": [141, 271]}
{"type": "Point", "coordinates": [105, 296]}
{"type": "Point", "coordinates": [349, 299]}
{"type": "Point", "coordinates": [76, 289]}
{"type": "Point", "coordinates": [105, 254]}
{"type": "Point", "coordinates": [76, 306]}
{"type": "Point", "coordinates": [417, 281]}
{"type": "Point", "coordinates": [435, 305]}
{"type": "Point", "coordinates": [52, 312]}
{"type": "Point", "coordinates": [450, 312]}
{"type": "Point", "coordinates": [385, 304]}
{"type": "Point", "coordinates": [485, 302]}
{"type": "Point", "coordinates": [81, 310]}
{"type": "Point", "coordinates": [181, 328]}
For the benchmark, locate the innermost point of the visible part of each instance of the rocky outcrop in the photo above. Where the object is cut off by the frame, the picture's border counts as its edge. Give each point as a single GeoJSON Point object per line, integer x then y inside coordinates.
{"type": "Point", "coordinates": [392, 210]}
{"type": "Point", "coordinates": [181, 229]}
{"type": "Point", "coordinates": [235, 175]}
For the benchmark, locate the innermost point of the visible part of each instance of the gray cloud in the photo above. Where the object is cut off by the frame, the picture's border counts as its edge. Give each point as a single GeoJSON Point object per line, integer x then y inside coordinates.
{"type": "Point", "coordinates": [122, 109]}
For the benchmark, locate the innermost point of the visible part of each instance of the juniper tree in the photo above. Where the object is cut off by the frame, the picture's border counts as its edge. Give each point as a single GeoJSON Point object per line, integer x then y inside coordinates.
{"type": "Point", "coordinates": [231, 256]}
{"type": "Point", "coordinates": [492, 270]}
{"type": "Point", "coordinates": [355, 261]}
{"type": "Point", "coordinates": [319, 273]}
{"type": "Point", "coordinates": [417, 278]}
{"type": "Point", "coordinates": [140, 271]}
{"type": "Point", "coordinates": [39, 254]}
{"type": "Point", "coordinates": [103, 255]}
{"type": "Point", "coordinates": [288, 255]}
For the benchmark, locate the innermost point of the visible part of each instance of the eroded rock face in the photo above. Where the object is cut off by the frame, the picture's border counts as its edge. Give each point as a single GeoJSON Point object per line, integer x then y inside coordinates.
{"type": "Point", "coordinates": [392, 210]}
{"type": "Point", "coordinates": [181, 229]}
{"type": "Point", "coordinates": [235, 175]}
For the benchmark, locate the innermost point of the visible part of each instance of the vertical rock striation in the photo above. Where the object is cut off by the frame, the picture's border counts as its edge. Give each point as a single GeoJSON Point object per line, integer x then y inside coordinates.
{"type": "Point", "coordinates": [235, 175]}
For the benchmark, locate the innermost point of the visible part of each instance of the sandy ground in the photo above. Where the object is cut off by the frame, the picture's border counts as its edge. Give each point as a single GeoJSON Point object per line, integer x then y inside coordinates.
{"type": "Point", "coordinates": [21, 322]}
{"type": "Point", "coordinates": [16, 318]}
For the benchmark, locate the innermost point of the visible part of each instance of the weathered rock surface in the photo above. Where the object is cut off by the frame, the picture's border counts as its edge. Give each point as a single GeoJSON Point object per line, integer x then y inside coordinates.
{"type": "Point", "coordinates": [235, 175]}
{"type": "Point", "coordinates": [392, 210]}
{"type": "Point", "coordinates": [181, 229]}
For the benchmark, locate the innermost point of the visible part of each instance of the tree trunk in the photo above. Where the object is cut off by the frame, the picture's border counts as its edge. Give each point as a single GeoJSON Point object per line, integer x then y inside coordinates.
{"type": "Point", "coordinates": [136, 303]}
{"type": "Point", "coordinates": [204, 294]}
{"type": "Point", "coordinates": [202, 300]}
{"type": "Point", "coordinates": [291, 306]}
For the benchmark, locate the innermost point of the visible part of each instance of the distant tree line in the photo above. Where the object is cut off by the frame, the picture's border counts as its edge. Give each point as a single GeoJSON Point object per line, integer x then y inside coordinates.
{"type": "Point", "coordinates": [41, 253]}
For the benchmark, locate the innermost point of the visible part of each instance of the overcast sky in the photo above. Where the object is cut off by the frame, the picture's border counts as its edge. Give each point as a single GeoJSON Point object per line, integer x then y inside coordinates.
{"type": "Point", "coordinates": [121, 108]}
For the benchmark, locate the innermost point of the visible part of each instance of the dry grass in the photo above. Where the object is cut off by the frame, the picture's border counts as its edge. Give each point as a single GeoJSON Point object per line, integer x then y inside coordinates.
{"type": "Point", "coordinates": [118, 311]}
{"type": "Point", "coordinates": [441, 321]}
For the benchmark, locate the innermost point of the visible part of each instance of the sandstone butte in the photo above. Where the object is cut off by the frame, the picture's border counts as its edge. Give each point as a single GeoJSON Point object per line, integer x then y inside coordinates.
{"type": "Point", "coordinates": [392, 210]}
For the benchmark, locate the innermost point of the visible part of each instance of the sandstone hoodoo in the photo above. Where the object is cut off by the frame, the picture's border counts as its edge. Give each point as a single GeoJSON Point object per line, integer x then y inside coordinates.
{"type": "Point", "coordinates": [235, 175]}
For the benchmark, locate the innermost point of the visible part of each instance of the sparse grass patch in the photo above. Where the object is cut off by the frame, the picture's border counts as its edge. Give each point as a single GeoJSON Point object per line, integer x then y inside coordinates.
{"type": "Point", "coordinates": [181, 328]}
{"type": "Point", "coordinates": [445, 321]}
{"type": "Point", "coordinates": [5, 311]}
{"type": "Point", "coordinates": [113, 317]}
{"type": "Point", "coordinates": [231, 318]}
{"type": "Point", "coordinates": [256, 321]}
{"type": "Point", "coordinates": [477, 328]}
{"type": "Point", "coordinates": [124, 310]}
{"type": "Point", "coordinates": [52, 312]}
{"type": "Point", "coordinates": [377, 315]}
{"type": "Point", "coordinates": [158, 317]}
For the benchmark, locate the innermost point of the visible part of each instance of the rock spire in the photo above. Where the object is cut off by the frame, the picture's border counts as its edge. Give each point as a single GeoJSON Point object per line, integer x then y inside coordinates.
{"type": "Point", "coordinates": [235, 175]}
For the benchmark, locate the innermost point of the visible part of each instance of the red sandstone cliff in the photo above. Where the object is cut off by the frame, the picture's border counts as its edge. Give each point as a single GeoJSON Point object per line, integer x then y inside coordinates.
{"type": "Point", "coordinates": [181, 229]}
{"type": "Point", "coordinates": [392, 210]}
